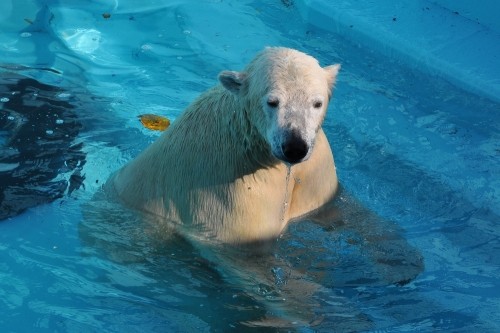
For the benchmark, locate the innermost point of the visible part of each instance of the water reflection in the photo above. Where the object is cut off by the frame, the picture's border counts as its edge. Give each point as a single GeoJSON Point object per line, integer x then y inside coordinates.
{"type": "Point", "coordinates": [300, 282]}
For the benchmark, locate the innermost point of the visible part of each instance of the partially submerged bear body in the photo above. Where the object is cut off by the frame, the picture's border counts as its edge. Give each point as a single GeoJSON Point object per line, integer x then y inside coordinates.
{"type": "Point", "coordinates": [246, 157]}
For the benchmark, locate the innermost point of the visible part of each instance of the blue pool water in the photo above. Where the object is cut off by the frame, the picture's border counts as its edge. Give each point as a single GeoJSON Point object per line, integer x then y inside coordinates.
{"type": "Point", "coordinates": [414, 127]}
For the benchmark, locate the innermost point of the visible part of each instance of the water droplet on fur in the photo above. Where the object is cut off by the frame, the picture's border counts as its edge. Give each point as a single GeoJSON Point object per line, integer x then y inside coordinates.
{"type": "Point", "coordinates": [49, 132]}
{"type": "Point", "coordinates": [59, 121]}
{"type": "Point", "coordinates": [11, 117]}
{"type": "Point", "coordinates": [285, 200]}
{"type": "Point", "coordinates": [4, 99]}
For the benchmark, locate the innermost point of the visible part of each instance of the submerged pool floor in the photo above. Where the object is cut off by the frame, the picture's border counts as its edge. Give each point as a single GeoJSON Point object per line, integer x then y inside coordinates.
{"type": "Point", "coordinates": [408, 144]}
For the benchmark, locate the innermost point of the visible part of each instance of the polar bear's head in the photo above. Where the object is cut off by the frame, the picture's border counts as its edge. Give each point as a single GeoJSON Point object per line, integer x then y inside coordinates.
{"type": "Point", "coordinates": [287, 93]}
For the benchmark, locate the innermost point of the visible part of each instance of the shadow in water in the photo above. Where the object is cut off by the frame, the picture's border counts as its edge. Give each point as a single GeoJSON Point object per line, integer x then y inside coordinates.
{"type": "Point", "coordinates": [40, 158]}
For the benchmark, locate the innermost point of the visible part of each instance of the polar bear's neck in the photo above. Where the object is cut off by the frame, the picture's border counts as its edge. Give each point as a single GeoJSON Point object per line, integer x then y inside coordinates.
{"type": "Point", "coordinates": [218, 126]}
{"type": "Point", "coordinates": [214, 133]}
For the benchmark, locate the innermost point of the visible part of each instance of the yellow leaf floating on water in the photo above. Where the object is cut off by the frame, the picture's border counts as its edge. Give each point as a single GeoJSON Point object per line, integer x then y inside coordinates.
{"type": "Point", "coordinates": [154, 122]}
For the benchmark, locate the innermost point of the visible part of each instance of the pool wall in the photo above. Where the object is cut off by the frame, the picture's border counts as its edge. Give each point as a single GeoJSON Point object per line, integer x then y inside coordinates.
{"type": "Point", "coordinates": [458, 40]}
{"type": "Point", "coordinates": [486, 13]}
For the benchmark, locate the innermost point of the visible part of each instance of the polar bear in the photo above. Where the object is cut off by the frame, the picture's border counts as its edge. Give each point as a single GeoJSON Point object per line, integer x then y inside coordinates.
{"type": "Point", "coordinates": [245, 158]}
{"type": "Point", "coordinates": [241, 162]}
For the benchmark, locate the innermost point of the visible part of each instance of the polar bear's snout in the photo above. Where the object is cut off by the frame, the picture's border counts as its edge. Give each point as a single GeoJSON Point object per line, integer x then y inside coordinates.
{"type": "Point", "coordinates": [289, 145]}
{"type": "Point", "coordinates": [294, 148]}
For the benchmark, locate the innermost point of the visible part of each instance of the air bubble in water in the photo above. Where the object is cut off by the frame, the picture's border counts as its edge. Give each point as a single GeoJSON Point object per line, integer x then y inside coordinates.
{"type": "Point", "coordinates": [59, 121]}
{"type": "Point", "coordinates": [26, 34]}
{"type": "Point", "coordinates": [4, 99]}
{"type": "Point", "coordinates": [280, 278]}
{"type": "Point", "coordinates": [63, 95]}
{"type": "Point", "coordinates": [49, 132]}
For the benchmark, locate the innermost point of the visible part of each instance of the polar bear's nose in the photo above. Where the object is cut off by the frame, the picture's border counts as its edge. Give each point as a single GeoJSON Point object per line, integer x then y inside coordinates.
{"type": "Point", "coordinates": [295, 148]}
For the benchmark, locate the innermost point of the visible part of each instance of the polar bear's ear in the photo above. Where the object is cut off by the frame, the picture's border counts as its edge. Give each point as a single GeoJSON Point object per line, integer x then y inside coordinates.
{"type": "Point", "coordinates": [331, 74]}
{"type": "Point", "coordinates": [232, 81]}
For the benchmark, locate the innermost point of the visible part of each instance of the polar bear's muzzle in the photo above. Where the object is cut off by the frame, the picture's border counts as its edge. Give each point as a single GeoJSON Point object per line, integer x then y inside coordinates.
{"type": "Point", "coordinates": [294, 149]}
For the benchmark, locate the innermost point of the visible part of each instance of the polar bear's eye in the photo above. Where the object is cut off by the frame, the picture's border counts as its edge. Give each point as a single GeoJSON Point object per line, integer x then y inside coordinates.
{"type": "Point", "coordinates": [317, 104]}
{"type": "Point", "coordinates": [273, 102]}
